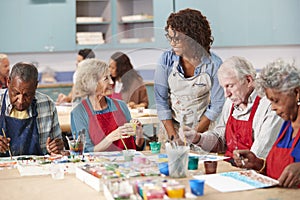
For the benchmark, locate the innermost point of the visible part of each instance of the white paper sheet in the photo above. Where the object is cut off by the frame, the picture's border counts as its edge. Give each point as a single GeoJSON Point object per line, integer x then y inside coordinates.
{"type": "Point", "coordinates": [208, 157]}
{"type": "Point", "coordinates": [237, 181]}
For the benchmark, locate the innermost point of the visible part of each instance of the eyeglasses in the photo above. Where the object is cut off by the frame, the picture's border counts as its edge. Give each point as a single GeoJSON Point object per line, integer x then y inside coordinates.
{"type": "Point", "coordinates": [175, 39]}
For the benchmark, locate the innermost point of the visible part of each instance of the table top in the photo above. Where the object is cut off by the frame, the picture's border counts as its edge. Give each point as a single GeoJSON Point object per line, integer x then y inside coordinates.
{"type": "Point", "coordinates": [15, 187]}
{"type": "Point", "coordinates": [148, 116]}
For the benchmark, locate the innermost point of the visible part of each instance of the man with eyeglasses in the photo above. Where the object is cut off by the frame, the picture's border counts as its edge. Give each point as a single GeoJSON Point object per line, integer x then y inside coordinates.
{"type": "Point", "coordinates": [187, 89]}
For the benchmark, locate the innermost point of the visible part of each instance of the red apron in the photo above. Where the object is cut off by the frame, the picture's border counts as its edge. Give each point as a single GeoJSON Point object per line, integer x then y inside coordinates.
{"type": "Point", "coordinates": [238, 133]}
{"type": "Point", "coordinates": [278, 158]}
{"type": "Point", "coordinates": [116, 96]}
{"type": "Point", "coordinates": [101, 125]}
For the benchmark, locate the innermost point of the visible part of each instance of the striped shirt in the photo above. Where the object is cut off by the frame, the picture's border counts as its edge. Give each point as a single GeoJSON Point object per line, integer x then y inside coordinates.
{"type": "Point", "coordinates": [47, 119]}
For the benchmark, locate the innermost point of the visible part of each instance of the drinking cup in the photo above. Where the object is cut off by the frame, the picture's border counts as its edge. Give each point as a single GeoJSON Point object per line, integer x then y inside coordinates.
{"type": "Point", "coordinates": [197, 187]}
{"type": "Point", "coordinates": [193, 162]}
{"type": "Point", "coordinates": [176, 191]}
{"type": "Point", "coordinates": [76, 147]}
{"type": "Point", "coordinates": [128, 154]}
{"type": "Point", "coordinates": [178, 161]}
{"type": "Point", "coordinates": [164, 168]}
{"type": "Point", "coordinates": [210, 167]}
{"type": "Point", "coordinates": [155, 147]}
{"type": "Point", "coordinates": [57, 171]}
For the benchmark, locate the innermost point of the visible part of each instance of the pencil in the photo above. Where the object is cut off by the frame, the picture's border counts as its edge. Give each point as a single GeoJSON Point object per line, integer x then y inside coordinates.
{"type": "Point", "coordinates": [9, 151]}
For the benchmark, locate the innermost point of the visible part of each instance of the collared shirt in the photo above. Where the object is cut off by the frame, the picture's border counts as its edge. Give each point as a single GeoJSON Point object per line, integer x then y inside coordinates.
{"type": "Point", "coordinates": [161, 86]}
{"type": "Point", "coordinates": [287, 140]}
{"type": "Point", "coordinates": [47, 119]}
{"type": "Point", "coordinates": [266, 126]}
{"type": "Point", "coordinates": [80, 119]}
{"type": "Point", "coordinates": [4, 84]}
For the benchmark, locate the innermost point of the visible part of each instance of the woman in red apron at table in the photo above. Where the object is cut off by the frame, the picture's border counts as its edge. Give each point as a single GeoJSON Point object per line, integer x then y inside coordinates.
{"type": "Point", "coordinates": [281, 83]}
{"type": "Point", "coordinates": [103, 118]}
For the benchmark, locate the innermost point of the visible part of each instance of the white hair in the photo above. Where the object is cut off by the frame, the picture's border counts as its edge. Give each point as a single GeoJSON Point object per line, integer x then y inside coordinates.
{"type": "Point", "coordinates": [89, 72]}
{"type": "Point", "coordinates": [3, 56]}
{"type": "Point", "coordinates": [239, 65]}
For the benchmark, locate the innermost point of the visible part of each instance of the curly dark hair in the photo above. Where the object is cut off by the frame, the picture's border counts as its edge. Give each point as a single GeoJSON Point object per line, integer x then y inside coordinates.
{"type": "Point", "coordinates": [125, 70]}
{"type": "Point", "coordinates": [194, 26]}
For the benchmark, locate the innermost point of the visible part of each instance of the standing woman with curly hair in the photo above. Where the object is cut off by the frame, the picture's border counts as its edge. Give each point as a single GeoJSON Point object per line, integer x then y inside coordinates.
{"type": "Point", "coordinates": [187, 89]}
{"type": "Point", "coordinates": [128, 84]}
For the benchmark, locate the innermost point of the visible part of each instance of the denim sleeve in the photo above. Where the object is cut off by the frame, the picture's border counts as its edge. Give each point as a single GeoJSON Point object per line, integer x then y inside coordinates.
{"type": "Point", "coordinates": [161, 88]}
{"type": "Point", "coordinates": [217, 98]}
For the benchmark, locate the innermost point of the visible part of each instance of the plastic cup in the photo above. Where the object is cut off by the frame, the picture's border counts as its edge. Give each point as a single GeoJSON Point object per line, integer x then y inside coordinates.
{"type": "Point", "coordinates": [57, 171]}
{"type": "Point", "coordinates": [210, 167]}
{"type": "Point", "coordinates": [76, 147]}
{"type": "Point", "coordinates": [128, 154]}
{"type": "Point", "coordinates": [178, 161]}
{"type": "Point", "coordinates": [176, 191]}
{"type": "Point", "coordinates": [193, 162]}
{"type": "Point", "coordinates": [131, 125]}
{"type": "Point", "coordinates": [197, 187]}
{"type": "Point", "coordinates": [140, 109]}
{"type": "Point", "coordinates": [164, 168]}
{"type": "Point", "coordinates": [155, 147]}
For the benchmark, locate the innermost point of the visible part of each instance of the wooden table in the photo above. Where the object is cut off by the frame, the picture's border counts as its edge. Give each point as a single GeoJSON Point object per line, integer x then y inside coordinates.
{"type": "Point", "coordinates": [15, 187]}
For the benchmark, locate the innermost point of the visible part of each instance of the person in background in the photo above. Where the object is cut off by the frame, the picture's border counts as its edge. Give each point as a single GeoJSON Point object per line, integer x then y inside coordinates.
{"type": "Point", "coordinates": [101, 117]}
{"type": "Point", "coordinates": [128, 84]}
{"type": "Point", "coordinates": [28, 118]}
{"type": "Point", "coordinates": [186, 86]}
{"type": "Point", "coordinates": [247, 121]}
{"type": "Point", "coordinates": [280, 82]}
{"type": "Point", "coordinates": [4, 70]}
{"type": "Point", "coordinates": [82, 55]}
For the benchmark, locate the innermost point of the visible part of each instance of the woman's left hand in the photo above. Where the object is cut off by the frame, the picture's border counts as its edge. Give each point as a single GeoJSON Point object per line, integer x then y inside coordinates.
{"type": "Point", "coordinates": [290, 177]}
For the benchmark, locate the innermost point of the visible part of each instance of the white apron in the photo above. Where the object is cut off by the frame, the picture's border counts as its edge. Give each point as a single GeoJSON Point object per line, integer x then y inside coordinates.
{"type": "Point", "coordinates": [189, 97]}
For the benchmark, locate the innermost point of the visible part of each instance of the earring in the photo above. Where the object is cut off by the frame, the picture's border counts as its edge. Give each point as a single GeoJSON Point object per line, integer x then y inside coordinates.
{"type": "Point", "coordinates": [298, 102]}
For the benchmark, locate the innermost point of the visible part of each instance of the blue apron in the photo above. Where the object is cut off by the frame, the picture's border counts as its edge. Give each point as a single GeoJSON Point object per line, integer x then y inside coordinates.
{"type": "Point", "coordinates": [22, 132]}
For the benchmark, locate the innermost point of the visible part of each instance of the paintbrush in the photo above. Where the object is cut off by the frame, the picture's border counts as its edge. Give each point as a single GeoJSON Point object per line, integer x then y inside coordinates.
{"type": "Point", "coordinates": [124, 143]}
{"type": "Point", "coordinates": [9, 151]}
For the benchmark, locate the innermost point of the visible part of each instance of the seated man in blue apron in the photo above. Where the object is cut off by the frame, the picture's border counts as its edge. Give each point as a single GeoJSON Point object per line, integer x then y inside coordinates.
{"type": "Point", "coordinates": [28, 121]}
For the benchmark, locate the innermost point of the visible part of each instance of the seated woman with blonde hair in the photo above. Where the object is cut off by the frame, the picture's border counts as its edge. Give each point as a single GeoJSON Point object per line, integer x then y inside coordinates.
{"type": "Point", "coordinates": [101, 117]}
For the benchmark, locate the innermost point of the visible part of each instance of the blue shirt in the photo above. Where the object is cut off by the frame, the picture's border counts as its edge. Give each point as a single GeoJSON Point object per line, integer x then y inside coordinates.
{"type": "Point", "coordinates": [80, 119]}
{"type": "Point", "coordinates": [287, 141]}
{"type": "Point", "coordinates": [161, 86]}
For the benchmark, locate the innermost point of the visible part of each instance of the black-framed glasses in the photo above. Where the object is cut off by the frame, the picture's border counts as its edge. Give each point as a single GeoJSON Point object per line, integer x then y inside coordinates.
{"type": "Point", "coordinates": [175, 39]}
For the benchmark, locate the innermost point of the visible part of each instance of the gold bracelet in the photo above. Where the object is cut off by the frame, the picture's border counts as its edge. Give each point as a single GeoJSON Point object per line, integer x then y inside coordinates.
{"type": "Point", "coordinates": [263, 167]}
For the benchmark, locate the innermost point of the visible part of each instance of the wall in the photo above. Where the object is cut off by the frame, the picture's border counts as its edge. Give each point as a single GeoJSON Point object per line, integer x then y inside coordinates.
{"type": "Point", "coordinates": [144, 59]}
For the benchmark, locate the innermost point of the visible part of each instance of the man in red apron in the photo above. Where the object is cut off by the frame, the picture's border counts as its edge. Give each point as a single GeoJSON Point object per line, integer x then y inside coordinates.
{"type": "Point", "coordinates": [247, 121]}
{"type": "Point", "coordinates": [281, 83]}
